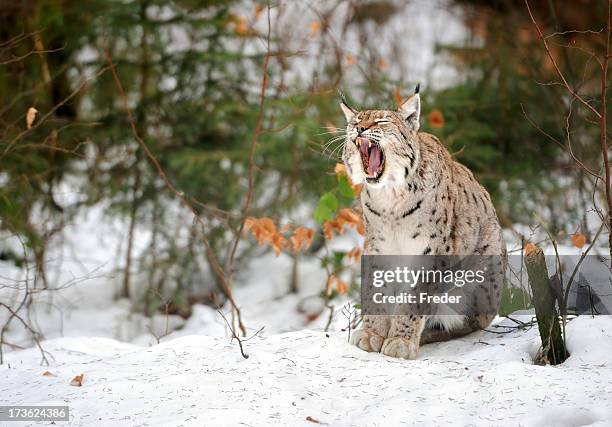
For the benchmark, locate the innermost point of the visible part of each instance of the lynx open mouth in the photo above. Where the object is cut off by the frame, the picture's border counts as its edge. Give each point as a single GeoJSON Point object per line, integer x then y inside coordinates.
{"type": "Point", "coordinates": [372, 158]}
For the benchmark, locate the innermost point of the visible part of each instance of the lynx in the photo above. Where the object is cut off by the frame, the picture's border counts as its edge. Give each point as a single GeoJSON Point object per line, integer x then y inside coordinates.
{"type": "Point", "coordinates": [417, 200]}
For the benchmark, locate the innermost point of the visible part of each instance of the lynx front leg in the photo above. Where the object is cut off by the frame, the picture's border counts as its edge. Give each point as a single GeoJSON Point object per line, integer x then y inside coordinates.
{"type": "Point", "coordinates": [371, 337]}
{"type": "Point", "coordinates": [404, 336]}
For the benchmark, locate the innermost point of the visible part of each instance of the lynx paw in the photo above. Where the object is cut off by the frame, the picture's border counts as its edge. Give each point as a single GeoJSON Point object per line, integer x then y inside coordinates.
{"type": "Point", "coordinates": [367, 340]}
{"type": "Point", "coordinates": [400, 347]}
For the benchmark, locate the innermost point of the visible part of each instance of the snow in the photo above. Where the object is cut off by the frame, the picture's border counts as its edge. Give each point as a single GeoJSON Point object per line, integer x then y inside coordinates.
{"type": "Point", "coordinates": [483, 379]}
{"type": "Point", "coordinates": [196, 375]}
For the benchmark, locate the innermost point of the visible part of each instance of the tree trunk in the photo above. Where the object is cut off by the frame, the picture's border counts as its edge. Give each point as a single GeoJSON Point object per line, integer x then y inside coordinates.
{"type": "Point", "coordinates": [553, 349]}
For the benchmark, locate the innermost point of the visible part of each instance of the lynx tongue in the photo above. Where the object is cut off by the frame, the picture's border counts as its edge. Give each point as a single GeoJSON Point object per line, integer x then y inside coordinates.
{"type": "Point", "coordinates": [372, 158]}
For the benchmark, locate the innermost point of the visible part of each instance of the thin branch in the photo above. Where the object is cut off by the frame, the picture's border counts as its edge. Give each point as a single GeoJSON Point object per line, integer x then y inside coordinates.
{"type": "Point", "coordinates": [253, 145]}
{"type": "Point", "coordinates": [557, 69]}
{"type": "Point", "coordinates": [219, 272]}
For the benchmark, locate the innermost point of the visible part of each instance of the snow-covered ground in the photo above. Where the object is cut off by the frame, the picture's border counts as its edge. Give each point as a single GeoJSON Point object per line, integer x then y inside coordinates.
{"type": "Point", "coordinates": [296, 373]}
{"type": "Point", "coordinates": [305, 377]}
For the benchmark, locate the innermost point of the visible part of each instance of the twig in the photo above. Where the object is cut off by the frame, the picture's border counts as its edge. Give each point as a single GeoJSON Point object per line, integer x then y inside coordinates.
{"type": "Point", "coordinates": [219, 272]}
{"type": "Point", "coordinates": [252, 146]}
{"type": "Point", "coordinates": [557, 69]}
{"type": "Point", "coordinates": [236, 337]}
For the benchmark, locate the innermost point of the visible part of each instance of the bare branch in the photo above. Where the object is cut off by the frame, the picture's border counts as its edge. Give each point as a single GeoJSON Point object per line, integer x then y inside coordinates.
{"type": "Point", "coordinates": [557, 69]}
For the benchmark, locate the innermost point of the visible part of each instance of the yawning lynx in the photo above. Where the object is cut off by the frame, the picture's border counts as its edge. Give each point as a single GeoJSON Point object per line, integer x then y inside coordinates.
{"type": "Point", "coordinates": [417, 200]}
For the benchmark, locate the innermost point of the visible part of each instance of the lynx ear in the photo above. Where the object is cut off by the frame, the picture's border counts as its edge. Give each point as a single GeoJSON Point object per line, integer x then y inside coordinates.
{"type": "Point", "coordinates": [411, 109]}
{"type": "Point", "coordinates": [349, 113]}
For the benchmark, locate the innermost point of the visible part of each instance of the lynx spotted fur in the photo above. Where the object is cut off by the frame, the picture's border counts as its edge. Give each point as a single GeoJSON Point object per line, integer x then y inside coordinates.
{"type": "Point", "coordinates": [417, 200]}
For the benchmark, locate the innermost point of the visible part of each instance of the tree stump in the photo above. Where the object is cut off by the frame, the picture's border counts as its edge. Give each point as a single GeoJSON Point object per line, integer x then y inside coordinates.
{"type": "Point", "coordinates": [553, 349]}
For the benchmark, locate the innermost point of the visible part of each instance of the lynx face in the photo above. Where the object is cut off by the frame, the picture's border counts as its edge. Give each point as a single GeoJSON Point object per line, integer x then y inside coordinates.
{"type": "Point", "coordinates": [381, 145]}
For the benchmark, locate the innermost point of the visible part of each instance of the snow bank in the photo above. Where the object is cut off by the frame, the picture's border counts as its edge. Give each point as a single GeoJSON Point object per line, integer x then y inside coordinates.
{"type": "Point", "coordinates": [483, 379]}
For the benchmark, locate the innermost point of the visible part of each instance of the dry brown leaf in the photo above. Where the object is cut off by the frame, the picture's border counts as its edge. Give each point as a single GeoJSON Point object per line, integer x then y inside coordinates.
{"type": "Point", "coordinates": [328, 230]}
{"type": "Point", "coordinates": [31, 116]}
{"type": "Point", "coordinates": [312, 420]}
{"type": "Point", "coordinates": [436, 119]}
{"type": "Point", "coordinates": [48, 374]}
{"type": "Point", "coordinates": [341, 286]}
{"type": "Point", "coordinates": [397, 96]}
{"type": "Point", "coordinates": [354, 254]}
{"type": "Point", "coordinates": [77, 381]}
{"type": "Point", "coordinates": [578, 240]}
{"type": "Point", "coordinates": [529, 248]}
{"type": "Point", "coordinates": [302, 238]}
{"type": "Point", "coordinates": [339, 169]}
{"type": "Point", "coordinates": [258, 11]}
{"type": "Point", "coordinates": [242, 26]}
{"type": "Point", "coordinates": [350, 218]}
{"type": "Point", "coordinates": [315, 27]}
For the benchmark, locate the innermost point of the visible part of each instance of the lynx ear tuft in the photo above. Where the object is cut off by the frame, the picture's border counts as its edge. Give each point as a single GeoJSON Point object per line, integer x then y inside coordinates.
{"type": "Point", "coordinates": [349, 113]}
{"type": "Point", "coordinates": [411, 109]}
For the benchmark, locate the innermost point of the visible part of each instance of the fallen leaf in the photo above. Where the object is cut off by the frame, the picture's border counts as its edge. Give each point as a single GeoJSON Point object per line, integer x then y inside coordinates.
{"type": "Point", "coordinates": [77, 381]}
{"type": "Point", "coordinates": [578, 240]}
{"type": "Point", "coordinates": [30, 116]}
{"type": "Point", "coordinates": [49, 374]}
{"type": "Point", "coordinates": [312, 420]}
